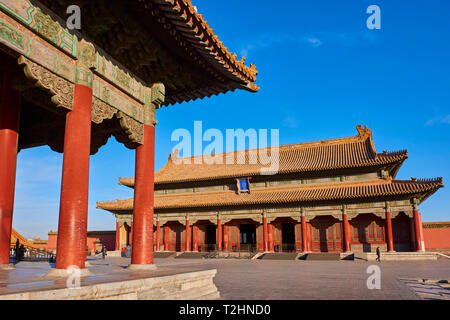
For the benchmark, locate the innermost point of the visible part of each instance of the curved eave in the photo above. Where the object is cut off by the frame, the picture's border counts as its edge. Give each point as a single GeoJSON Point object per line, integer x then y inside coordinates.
{"type": "Point", "coordinates": [195, 30]}
{"type": "Point", "coordinates": [346, 191]}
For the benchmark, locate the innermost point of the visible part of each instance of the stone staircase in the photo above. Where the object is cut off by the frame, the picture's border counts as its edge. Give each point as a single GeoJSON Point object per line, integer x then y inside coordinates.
{"type": "Point", "coordinates": [163, 254]}
{"type": "Point", "coordinates": [278, 256]}
{"type": "Point", "coordinates": [321, 256]}
{"type": "Point", "coordinates": [192, 255]}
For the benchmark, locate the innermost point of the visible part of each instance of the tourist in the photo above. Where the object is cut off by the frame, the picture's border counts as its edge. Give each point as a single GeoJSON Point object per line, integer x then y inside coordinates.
{"type": "Point", "coordinates": [104, 253]}
{"type": "Point", "coordinates": [17, 249]}
{"type": "Point", "coordinates": [378, 254]}
{"type": "Point", "coordinates": [21, 253]}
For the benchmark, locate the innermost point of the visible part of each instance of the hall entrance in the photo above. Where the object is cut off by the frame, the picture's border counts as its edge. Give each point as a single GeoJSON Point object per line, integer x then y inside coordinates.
{"type": "Point", "coordinates": [210, 238]}
{"type": "Point", "coordinates": [288, 237]}
{"type": "Point", "coordinates": [247, 237]}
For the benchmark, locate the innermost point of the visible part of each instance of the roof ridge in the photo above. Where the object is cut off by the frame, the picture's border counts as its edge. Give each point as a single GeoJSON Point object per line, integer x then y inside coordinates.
{"type": "Point", "coordinates": [363, 135]}
{"type": "Point", "coordinates": [436, 180]}
{"type": "Point", "coordinates": [393, 153]}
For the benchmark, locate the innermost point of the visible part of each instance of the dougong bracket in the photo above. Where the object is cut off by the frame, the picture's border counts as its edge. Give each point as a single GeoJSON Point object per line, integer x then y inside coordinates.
{"type": "Point", "coordinates": [154, 98]}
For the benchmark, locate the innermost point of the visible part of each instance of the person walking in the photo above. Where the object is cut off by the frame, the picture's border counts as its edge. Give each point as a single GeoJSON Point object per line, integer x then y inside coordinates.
{"type": "Point", "coordinates": [17, 250]}
{"type": "Point", "coordinates": [104, 252]}
{"type": "Point", "coordinates": [378, 254]}
{"type": "Point", "coordinates": [21, 252]}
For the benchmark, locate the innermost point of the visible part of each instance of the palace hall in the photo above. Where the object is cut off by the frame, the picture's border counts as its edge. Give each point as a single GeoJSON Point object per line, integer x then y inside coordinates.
{"type": "Point", "coordinates": [72, 90]}
{"type": "Point", "coordinates": [337, 195]}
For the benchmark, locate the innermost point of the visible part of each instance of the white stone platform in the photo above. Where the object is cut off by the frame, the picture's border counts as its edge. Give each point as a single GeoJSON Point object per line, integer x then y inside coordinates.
{"type": "Point", "coordinates": [106, 281]}
{"type": "Point", "coordinates": [399, 256]}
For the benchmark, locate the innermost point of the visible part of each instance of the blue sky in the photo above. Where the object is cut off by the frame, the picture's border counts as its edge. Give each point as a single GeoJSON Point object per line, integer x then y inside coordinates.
{"type": "Point", "coordinates": [321, 72]}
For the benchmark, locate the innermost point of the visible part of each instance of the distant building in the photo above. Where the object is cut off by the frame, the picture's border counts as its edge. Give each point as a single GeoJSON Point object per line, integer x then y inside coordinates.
{"type": "Point", "coordinates": [95, 241]}
{"type": "Point", "coordinates": [328, 196]}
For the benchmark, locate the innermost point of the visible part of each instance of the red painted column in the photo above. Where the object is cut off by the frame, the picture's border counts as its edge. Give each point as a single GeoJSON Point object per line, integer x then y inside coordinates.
{"type": "Point", "coordinates": [298, 239]}
{"type": "Point", "coordinates": [117, 236]}
{"type": "Point", "coordinates": [225, 238]}
{"type": "Point", "coordinates": [131, 235]}
{"type": "Point", "coordinates": [158, 236]}
{"type": "Point", "coordinates": [347, 235]}
{"type": "Point", "coordinates": [270, 236]}
{"type": "Point", "coordinates": [304, 234]}
{"type": "Point", "coordinates": [166, 238]}
{"type": "Point", "coordinates": [420, 244]}
{"type": "Point", "coordinates": [219, 234]}
{"type": "Point", "coordinates": [390, 238]}
{"type": "Point", "coordinates": [144, 199]}
{"type": "Point", "coordinates": [10, 102]}
{"type": "Point", "coordinates": [265, 235]}
{"type": "Point", "coordinates": [72, 228]}
{"type": "Point", "coordinates": [413, 234]}
{"type": "Point", "coordinates": [188, 236]}
{"type": "Point", "coordinates": [309, 236]}
{"type": "Point", "coordinates": [194, 238]}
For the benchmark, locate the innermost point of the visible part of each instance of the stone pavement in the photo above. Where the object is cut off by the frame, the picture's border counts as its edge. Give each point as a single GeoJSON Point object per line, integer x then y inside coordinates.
{"type": "Point", "coordinates": [429, 289]}
{"type": "Point", "coordinates": [299, 280]}
{"type": "Point", "coordinates": [267, 279]}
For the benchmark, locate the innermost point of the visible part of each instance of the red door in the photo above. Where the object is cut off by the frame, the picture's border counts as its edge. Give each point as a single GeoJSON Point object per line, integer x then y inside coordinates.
{"type": "Point", "coordinates": [326, 234]}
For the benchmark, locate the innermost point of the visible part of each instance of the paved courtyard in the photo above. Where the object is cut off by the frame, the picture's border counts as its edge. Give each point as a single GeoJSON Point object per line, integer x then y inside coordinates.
{"type": "Point", "coordinates": [272, 279]}
{"type": "Point", "coordinates": [297, 280]}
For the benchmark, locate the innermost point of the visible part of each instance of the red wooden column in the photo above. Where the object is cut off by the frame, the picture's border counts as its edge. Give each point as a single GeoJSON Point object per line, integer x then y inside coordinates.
{"type": "Point", "coordinates": [270, 236]}
{"type": "Point", "coordinates": [142, 253]}
{"type": "Point", "coordinates": [390, 238]}
{"type": "Point", "coordinates": [413, 234]}
{"type": "Point", "coordinates": [347, 236]}
{"type": "Point", "coordinates": [143, 200]}
{"type": "Point", "coordinates": [265, 235]}
{"type": "Point", "coordinates": [10, 102]}
{"type": "Point", "coordinates": [117, 236]}
{"type": "Point", "coordinates": [225, 238]}
{"type": "Point", "coordinates": [72, 228]}
{"type": "Point", "coordinates": [219, 234]}
{"type": "Point", "coordinates": [158, 236]}
{"type": "Point", "coordinates": [188, 236]}
{"type": "Point", "coordinates": [131, 234]}
{"type": "Point", "coordinates": [194, 237]}
{"type": "Point", "coordinates": [304, 234]}
{"type": "Point", "coordinates": [309, 236]}
{"type": "Point", "coordinates": [418, 230]}
{"type": "Point", "coordinates": [298, 239]}
{"type": "Point", "coordinates": [166, 237]}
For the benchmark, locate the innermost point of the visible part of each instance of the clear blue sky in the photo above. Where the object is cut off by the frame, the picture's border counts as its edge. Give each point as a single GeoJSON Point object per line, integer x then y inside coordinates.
{"type": "Point", "coordinates": [322, 72]}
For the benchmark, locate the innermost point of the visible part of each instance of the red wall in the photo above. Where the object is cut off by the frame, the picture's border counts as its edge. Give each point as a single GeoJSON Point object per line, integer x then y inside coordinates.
{"type": "Point", "coordinates": [436, 238]}
{"type": "Point", "coordinates": [52, 238]}
{"type": "Point", "coordinates": [109, 240]}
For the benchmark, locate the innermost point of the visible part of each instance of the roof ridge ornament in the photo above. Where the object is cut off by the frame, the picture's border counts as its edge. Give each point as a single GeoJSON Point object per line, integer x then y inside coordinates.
{"type": "Point", "coordinates": [173, 156]}
{"type": "Point", "coordinates": [363, 132]}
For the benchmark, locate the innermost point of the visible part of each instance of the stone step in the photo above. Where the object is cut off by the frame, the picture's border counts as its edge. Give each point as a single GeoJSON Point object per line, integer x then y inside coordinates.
{"type": "Point", "coordinates": [163, 254]}
{"type": "Point", "coordinates": [278, 256]}
{"type": "Point", "coordinates": [322, 256]}
{"type": "Point", "coordinates": [192, 255]}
